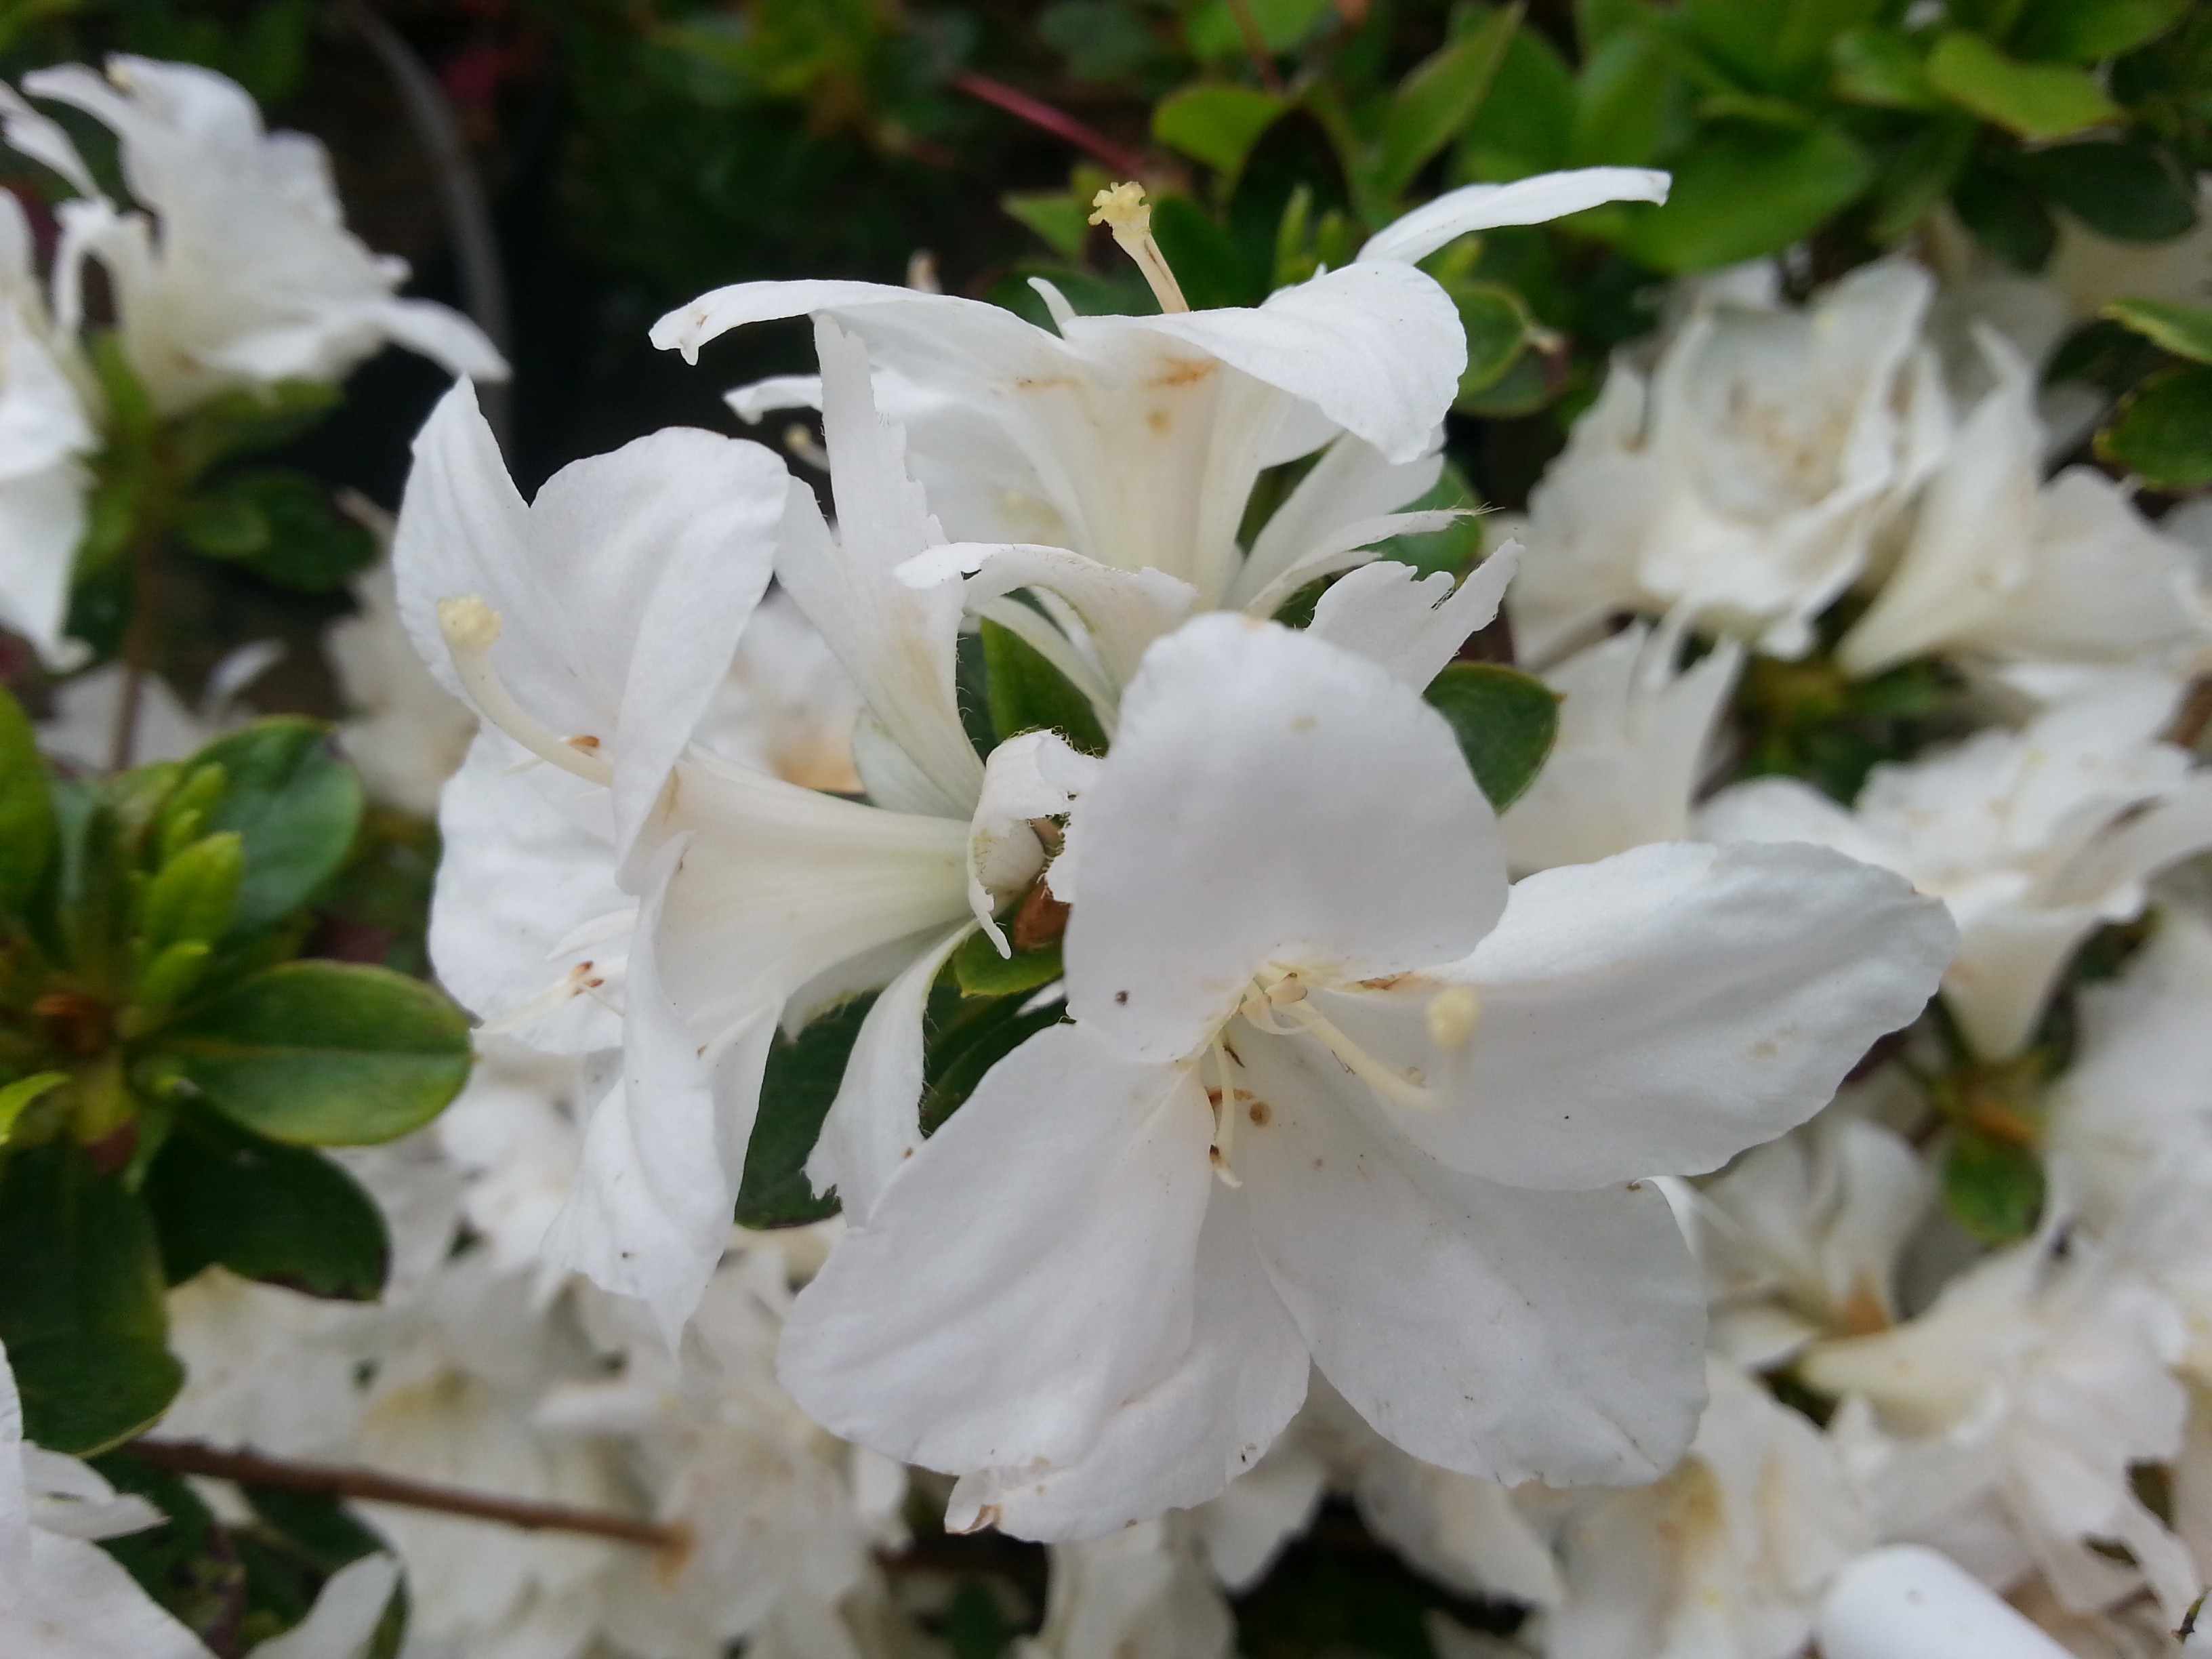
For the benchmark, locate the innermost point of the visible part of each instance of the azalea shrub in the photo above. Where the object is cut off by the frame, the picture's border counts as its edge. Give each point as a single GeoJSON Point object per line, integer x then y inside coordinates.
{"type": "Point", "coordinates": [1146, 827]}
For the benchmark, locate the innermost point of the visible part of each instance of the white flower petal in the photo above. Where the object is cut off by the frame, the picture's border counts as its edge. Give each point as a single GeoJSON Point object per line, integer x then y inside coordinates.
{"type": "Point", "coordinates": [1413, 625]}
{"type": "Point", "coordinates": [1269, 799]}
{"type": "Point", "coordinates": [1350, 481]}
{"type": "Point", "coordinates": [343, 1620]}
{"type": "Point", "coordinates": [966, 1336]}
{"type": "Point", "coordinates": [1657, 1012]}
{"type": "Point", "coordinates": [1182, 1440]}
{"type": "Point", "coordinates": [1510, 1335]}
{"type": "Point", "coordinates": [1907, 1601]}
{"type": "Point", "coordinates": [1533, 201]}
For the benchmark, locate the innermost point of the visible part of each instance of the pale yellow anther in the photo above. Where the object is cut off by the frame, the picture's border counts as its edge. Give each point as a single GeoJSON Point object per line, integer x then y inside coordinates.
{"type": "Point", "coordinates": [1454, 1012]}
{"type": "Point", "coordinates": [468, 623]}
{"type": "Point", "coordinates": [1122, 210]}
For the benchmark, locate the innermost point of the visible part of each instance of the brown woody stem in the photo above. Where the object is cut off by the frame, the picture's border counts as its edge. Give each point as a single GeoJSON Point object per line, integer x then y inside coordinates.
{"type": "Point", "coordinates": [345, 1480]}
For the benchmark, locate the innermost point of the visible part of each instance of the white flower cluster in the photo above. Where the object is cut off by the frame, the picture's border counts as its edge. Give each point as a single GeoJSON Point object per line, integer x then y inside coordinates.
{"type": "Point", "coordinates": [233, 271]}
{"type": "Point", "coordinates": [1581, 1229]}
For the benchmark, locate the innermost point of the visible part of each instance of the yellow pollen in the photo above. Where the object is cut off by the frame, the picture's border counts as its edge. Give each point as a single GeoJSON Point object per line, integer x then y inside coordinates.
{"type": "Point", "coordinates": [1122, 210]}
{"type": "Point", "coordinates": [468, 623]}
{"type": "Point", "coordinates": [1454, 1012]}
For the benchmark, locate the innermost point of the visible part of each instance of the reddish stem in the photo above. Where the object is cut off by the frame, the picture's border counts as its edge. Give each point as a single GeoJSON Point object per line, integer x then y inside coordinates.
{"type": "Point", "coordinates": [1125, 163]}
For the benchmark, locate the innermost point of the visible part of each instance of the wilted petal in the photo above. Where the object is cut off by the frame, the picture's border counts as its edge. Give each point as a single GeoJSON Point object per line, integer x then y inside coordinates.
{"type": "Point", "coordinates": [1269, 799]}
{"type": "Point", "coordinates": [964, 1335]}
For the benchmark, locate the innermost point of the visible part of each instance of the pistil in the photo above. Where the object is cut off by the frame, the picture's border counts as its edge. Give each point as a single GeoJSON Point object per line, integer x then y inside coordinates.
{"type": "Point", "coordinates": [470, 628]}
{"type": "Point", "coordinates": [1122, 210]}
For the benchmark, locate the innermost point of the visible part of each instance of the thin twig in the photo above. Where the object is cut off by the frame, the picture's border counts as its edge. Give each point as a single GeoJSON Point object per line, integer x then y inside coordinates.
{"type": "Point", "coordinates": [1255, 46]}
{"type": "Point", "coordinates": [140, 641]}
{"type": "Point", "coordinates": [461, 190]}
{"type": "Point", "coordinates": [344, 1480]}
{"type": "Point", "coordinates": [1125, 163]}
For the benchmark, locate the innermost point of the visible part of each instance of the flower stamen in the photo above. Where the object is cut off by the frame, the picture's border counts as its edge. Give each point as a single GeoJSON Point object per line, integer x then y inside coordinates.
{"type": "Point", "coordinates": [1122, 210]}
{"type": "Point", "coordinates": [1224, 1116]}
{"type": "Point", "coordinates": [470, 628]}
{"type": "Point", "coordinates": [1391, 1086]}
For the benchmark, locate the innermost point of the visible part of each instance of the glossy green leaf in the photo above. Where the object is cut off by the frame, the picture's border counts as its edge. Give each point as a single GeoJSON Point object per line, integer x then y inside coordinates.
{"type": "Point", "coordinates": [26, 809]}
{"type": "Point", "coordinates": [1622, 102]}
{"type": "Point", "coordinates": [280, 525]}
{"type": "Point", "coordinates": [2089, 31]}
{"type": "Point", "coordinates": [1505, 721]}
{"type": "Point", "coordinates": [2034, 100]}
{"type": "Point", "coordinates": [2005, 215]}
{"type": "Point", "coordinates": [2185, 331]}
{"type": "Point", "coordinates": [1742, 191]}
{"type": "Point", "coordinates": [2164, 433]}
{"type": "Point", "coordinates": [1779, 46]}
{"type": "Point", "coordinates": [295, 805]}
{"type": "Point", "coordinates": [796, 1091]}
{"type": "Point", "coordinates": [1055, 215]}
{"type": "Point", "coordinates": [279, 1215]}
{"type": "Point", "coordinates": [2125, 190]}
{"type": "Point", "coordinates": [1028, 694]}
{"type": "Point", "coordinates": [325, 1053]}
{"type": "Point", "coordinates": [1453, 550]}
{"type": "Point", "coordinates": [1994, 1188]}
{"type": "Point", "coordinates": [1216, 124]}
{"type": "Point", "coordinates": [1212, 28]}
{"type": "Point", "coordinates": [965, 1044]}
{"type": "Point", "coordinates": [1437, 101]}
{"type": "Point", "coordinates": [81, 1302]}
{"type": "Point", "coordinates": [981, 971]}
{"type": "Point", "coordinates": [193, 894]}
{"type": "Point", "coordinates": [1917, 175]}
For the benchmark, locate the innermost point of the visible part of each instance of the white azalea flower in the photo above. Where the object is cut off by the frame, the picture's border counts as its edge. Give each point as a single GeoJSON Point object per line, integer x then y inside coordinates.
{"type": "Point", "coordinates": [1436, 1167]}
{"type": "Point", "coordinates": [783, 1519]}
{"type": "Point", "coordinates": [1634, 743]}
{"type": "Point", "coordinates": [2000, 565]}
{"type": "Point", "coordinates": [2034, 838]}
{"type": "Point", "coordinates": [1745, 480]}
{"type": "Point", "coordinates": [788, 707]}
{"type": "Point", "coordinates": [45, 433]}
{"type": "Point", "coordinates": [513, 1132]}
{"type": "Point", "coordinates": [1907, 1601]}
{"type": "Point", "coordinates": [1729, 1555]}
{"type": "Point", "coordinates": [1800, 1238]}
{"type": "Point", "coordinates": [265, 1367]}
{"type": "Point", "coordinates": [1140, 1593]}
{"type": "Point", "coordinates": [1135, 441]}
{"type": "Point", "coordinates": [245, 275]}
{"type": "Point", "coordinates": [2002, 1425]}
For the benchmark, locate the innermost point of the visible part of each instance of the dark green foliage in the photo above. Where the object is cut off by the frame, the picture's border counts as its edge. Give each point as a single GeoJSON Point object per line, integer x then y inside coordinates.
{"type": "Point", "coordinates": [1505, 721]}
{"type": "Point", "coordinates": [801, 1080]}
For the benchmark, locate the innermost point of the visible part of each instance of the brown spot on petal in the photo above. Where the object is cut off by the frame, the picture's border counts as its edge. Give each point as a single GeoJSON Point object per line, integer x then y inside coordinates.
{"type": "Point", "coordinates": [1183, 371]}
{"type": "Point", "coordinates": [1260, 1112]}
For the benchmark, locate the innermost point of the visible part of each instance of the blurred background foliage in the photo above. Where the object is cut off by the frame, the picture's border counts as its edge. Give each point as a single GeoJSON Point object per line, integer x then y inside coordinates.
{"type": "Point", "coordinates": [631, 153]}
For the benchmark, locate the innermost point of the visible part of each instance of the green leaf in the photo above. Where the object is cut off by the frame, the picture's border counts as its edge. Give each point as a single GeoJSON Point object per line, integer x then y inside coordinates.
{"type": "Point", "coordinates": [1880, 67]}
{"type": "Point", "coordinates": [325, 1053]}
{"type": "Point", "coordinates": [981, 971]}
{"type": "Point", "coordinates": [192, 895]}
{"type": "Point", "coordinates": [1216, 124]}
{"type": "Point", "coordinates": [1211, 266]}
{"type": "Point", "coordinates": [1741, 191]}
{"type": "Point", "coordinates": [2006, 217]}
{"type": "Point", "coordinates": [2089, 31]}
{"type": "Point", "coordinates": [280, 525]}
{"type": "Point", "coordinates": [187, 1563]}
{"type": "Point", "coordinates": [1919, 173]}
{"type": "Point", "coordinates": [2128, 191]}
{"type": "Point", "coordinates": [81, 1302]}
{"type": "Point", "coordinates": [2164, 433]}
{"type": "Point", "coordinates": [1622, 102]}
{"type": "Point", "coordinates": [237, 423]}
{"type": "Point", "coordinates": [966, 1039]}
{"type": "Point", "coordinates": [2035, 100]}
{"type": "Point", "coordinates": [21, 1093]}
{"type": "Point", "coordinates": [802, 1079]}
{"type": "Point", "coordinates": [1497, 323]}
{"type": "Point", "coordinates": [1505, 721]}
{"type": "Point", "coordinates": [1437, 99]}
{"type": "Point", "coordinates": [1212, 32]}
{"type": "Point", "coordinates": [295, 805]}
{"type": "Point", "coordinates": [279, 1215]}
{"type": "Point", "coordinates": [1055, 214]}
{"type": "Point", "coordinates": [1524, 125]}
{"type": "Point", "coordinates": [2185, 331]}
{"type": "Point", "coordinates": [26, 809]}
{"type": "Point", "coordinates": [1992, 1187]}
{"type": "Point", "coordinates": [1028, 694]}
